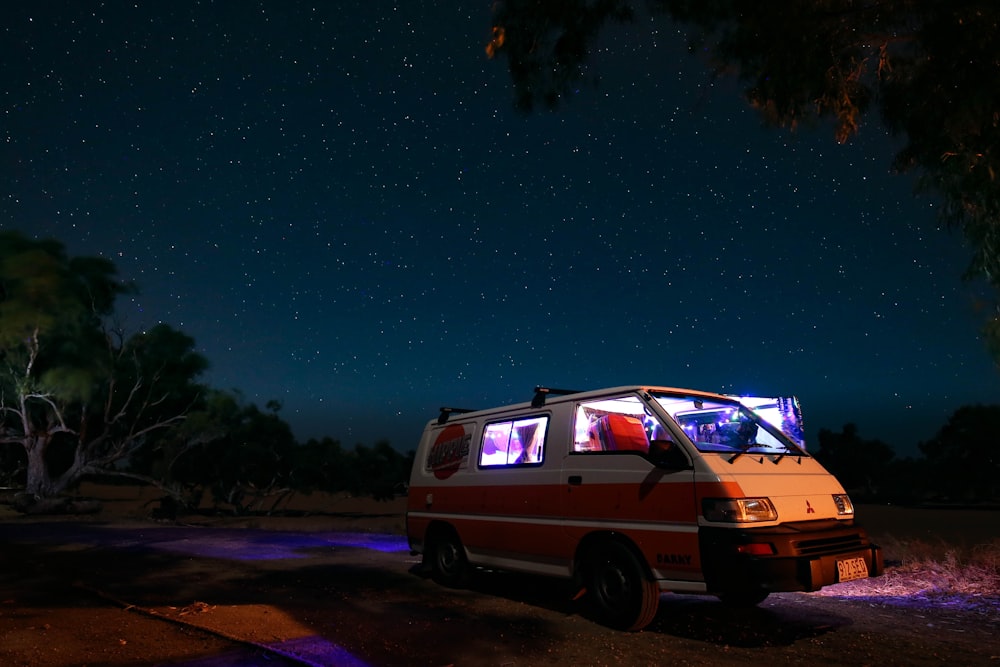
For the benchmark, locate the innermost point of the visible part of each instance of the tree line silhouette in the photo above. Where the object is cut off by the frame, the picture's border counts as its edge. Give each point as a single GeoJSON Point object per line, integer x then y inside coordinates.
{"type": "Point", "coordinates": [81, 400]}
{"type": "Point", "coordinates": [960, 464]}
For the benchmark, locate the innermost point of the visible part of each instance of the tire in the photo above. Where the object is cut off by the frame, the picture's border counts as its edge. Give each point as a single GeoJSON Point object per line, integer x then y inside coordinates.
{"type": "Point", "coordinates": [624, 595]}
{"type": "Point", "coordinates": [448, 561]}
{"type": "Point", "coordinates": [743, 599]}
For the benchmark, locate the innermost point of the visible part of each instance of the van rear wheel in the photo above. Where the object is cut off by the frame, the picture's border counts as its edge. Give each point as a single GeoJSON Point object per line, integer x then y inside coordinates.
{"type": "Point", "coordinates": [625, 597]}
{"type": "Point", "coordinates": [448, 561]}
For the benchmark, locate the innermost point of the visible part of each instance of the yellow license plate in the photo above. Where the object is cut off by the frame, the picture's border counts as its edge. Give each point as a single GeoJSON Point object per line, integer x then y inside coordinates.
{"type": "Point", "coordinates": [850, 569]}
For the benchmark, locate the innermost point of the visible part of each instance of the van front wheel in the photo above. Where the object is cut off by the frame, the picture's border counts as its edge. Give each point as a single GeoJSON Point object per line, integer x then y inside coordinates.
{"type": "Point", "coordinates": [625, 597]}
{"type": "Point", "coordinates": [448, 559]}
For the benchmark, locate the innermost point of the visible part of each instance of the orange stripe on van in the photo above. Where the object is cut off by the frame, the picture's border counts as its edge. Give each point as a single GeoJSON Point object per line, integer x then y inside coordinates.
{"type": "Point", "coordinates": [673, 503]}
{"type": "Point", "coordinates": [547, 522]}
{"type": "Point", "coordinates": [624, 502]}
{"type": "Point", "coordinates": [716, 490]}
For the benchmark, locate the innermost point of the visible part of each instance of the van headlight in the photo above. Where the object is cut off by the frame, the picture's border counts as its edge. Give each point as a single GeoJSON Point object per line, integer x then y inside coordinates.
{"type": "Point", "coordinates": [844, 505]}
{"type": "Point", "coordinates": [738, 510]}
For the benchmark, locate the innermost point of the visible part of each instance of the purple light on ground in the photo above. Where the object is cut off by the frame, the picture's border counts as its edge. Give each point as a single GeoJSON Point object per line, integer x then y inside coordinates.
{"type": "Point", "coordinates": [922, 600]}
{"type": "Point", "coordinates": [242, 544]}
{"type": "Point", "coordinates": [373, 541]}
{"type": "Point", "coordinates": [260, 545]}
{"type": "Point", "coordinates": [314, 650]}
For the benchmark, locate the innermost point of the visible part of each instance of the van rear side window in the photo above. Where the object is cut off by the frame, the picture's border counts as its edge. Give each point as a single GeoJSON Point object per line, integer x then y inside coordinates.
{"type": "Point", "coordinates": [514, 442]}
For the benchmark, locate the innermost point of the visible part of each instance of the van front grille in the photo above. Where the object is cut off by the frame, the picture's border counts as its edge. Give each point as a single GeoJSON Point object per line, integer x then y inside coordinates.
{"type": "Point", "coordinates": [830, 545]}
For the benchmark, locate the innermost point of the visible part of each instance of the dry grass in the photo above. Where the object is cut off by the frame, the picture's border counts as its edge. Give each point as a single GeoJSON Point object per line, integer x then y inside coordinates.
{"type": "Point", "coordinates": [918, 569]}
{"type": "Point", "coordinates": [943, 554]}
{"type": "Point", "coordinates": [925, 568]}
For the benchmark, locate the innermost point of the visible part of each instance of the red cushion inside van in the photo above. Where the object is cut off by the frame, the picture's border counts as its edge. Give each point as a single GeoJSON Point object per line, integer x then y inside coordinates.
{"type": "Point", "coordinates": [622, 433]}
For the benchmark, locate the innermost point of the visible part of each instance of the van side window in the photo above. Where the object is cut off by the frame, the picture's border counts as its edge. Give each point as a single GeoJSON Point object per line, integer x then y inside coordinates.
{"type": "Point", "coordinates": [617, 424]}
{"type": "Point", "coordinates": [514, 442]}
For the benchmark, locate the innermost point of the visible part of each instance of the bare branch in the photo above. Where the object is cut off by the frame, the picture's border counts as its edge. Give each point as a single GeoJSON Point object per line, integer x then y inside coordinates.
{"type": "Point", "coordinates": [131, 442]}
{"type": "Point", "coordinates": [47, 398]}
{"type": "Point", "coordinates": [172, 491]}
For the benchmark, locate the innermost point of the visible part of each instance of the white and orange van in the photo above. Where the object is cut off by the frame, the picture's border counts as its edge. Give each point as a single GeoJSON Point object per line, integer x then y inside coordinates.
{"type": "Point", "coordinates": [633, 491]}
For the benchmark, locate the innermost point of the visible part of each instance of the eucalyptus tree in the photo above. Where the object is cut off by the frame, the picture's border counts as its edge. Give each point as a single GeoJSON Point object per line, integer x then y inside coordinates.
{"type": "Point", "coordinates": [76, 394]}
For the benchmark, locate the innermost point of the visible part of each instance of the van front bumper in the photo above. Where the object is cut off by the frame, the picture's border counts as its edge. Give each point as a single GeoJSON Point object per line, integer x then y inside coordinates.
{"type": "Point", "coordinates": [790, 557]}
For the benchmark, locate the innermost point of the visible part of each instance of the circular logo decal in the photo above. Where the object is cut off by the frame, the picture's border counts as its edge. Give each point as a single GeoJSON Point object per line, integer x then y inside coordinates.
{"type": "Point", "coordinates": [449, 451]}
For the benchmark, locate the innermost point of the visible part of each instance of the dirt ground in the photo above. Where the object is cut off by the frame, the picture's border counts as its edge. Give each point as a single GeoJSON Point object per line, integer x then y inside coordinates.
{"type": "Point", "coordinates": [335, 585]}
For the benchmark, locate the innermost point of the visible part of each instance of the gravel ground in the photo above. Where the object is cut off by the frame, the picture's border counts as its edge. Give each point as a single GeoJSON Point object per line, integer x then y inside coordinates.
{"type": "Point", "coordinates": [95, 593]}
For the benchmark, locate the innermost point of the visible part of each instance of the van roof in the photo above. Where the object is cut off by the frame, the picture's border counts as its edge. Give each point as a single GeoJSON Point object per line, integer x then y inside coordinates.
{"type": "Point", "coordinates": [547, 395]}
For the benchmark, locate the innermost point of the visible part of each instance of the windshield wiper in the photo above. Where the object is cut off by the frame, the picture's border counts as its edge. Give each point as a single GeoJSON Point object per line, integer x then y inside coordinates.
{"type": "Point", "coordinates": [792, 452]}
{"type": "Point", "coordinates": [743, 450]}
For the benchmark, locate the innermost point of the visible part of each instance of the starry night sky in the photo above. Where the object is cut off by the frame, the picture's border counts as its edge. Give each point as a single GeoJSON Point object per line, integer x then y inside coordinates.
{"type": "Point", "coordinates": [338, 201]}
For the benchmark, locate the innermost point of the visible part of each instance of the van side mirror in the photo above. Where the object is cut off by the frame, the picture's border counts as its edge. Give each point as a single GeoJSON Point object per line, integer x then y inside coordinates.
{"type": "Point", "coordinates": [666, 454]}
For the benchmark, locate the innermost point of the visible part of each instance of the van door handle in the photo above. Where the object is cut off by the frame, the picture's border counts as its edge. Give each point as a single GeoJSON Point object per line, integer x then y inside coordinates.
{"type": "Point", "coordinates": [575, 480]}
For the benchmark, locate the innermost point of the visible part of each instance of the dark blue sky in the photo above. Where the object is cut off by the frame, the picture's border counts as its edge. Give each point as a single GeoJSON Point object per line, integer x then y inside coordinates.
{"type": "Point", "coordinates": [339, 203]}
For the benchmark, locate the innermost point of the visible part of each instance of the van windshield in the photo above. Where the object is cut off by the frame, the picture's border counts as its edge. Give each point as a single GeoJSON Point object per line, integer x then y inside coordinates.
{"type": "Point", "coordinates": [728, 426]}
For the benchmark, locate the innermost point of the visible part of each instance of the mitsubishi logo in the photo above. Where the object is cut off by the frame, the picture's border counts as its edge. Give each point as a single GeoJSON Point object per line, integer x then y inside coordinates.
{"type": "Point", "coordinates": [809, 508]}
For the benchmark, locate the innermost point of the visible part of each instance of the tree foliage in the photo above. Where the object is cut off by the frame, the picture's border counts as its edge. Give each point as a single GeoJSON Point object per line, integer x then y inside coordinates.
{"type": "Point", "coordinates": [964, 456]}
{"type": "Point", "coordinates": [242, 455]}
{"type": "Point", "coordinates": [78, 399]}
{"type": "Point", "coordinates": [248, 460]}
{"type": "Point", "coordinates": [930, 68]}
{"type": "Point", "coordinates": [546, 44]}
{"type": "Point", "coordinates": [959, 464]}
{"type": "Point", "coordinates": [44, 290]}
{"type": "Point", "coordinates": [860, 465]}
{"type": "Point", "coordinates": [75, 394]}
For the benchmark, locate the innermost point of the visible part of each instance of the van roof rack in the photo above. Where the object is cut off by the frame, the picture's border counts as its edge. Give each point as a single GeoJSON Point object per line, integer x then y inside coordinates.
{"type": "Point", "coordinates": [447, 412]}
{"type": "Point", "coordinates": [541, 392]}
